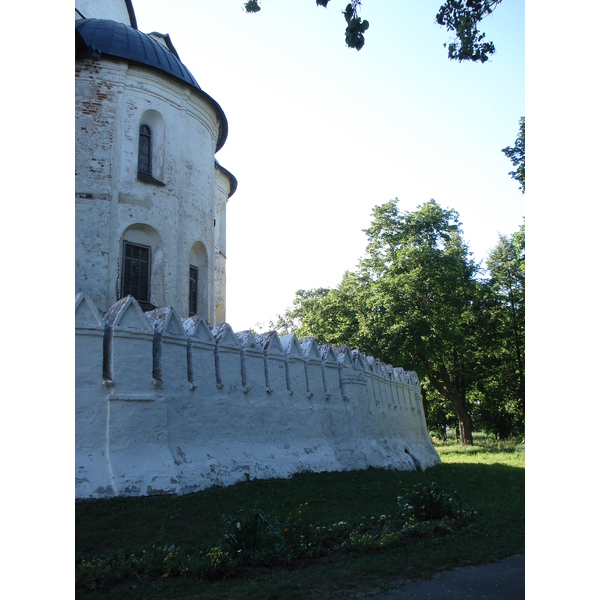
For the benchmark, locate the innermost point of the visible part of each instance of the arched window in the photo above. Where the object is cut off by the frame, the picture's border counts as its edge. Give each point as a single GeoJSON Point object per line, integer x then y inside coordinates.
{"type": "Point", "coordinates": [141, 268]}
{"type": "Point", "coordinates": [151, 148]}
{"type": "Point", "coordinates": [145, 151]}
{"type": "Point", "coordinates": [136, 272]}
{"type": "Point", "coordinates": [193, 291]}
{"type": "Point", "coordinates": [198, 281]}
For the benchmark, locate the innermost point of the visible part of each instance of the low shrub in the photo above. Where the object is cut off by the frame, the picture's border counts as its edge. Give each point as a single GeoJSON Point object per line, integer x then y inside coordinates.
{"type": "Point", "coordinates": [253, 538]}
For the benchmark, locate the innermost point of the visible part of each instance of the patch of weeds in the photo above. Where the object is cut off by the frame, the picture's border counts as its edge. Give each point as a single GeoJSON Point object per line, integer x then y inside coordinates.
{"type": "Point", "coordinates": [254, 539]}
{"type": "Point", "coordinates": [253, 536]}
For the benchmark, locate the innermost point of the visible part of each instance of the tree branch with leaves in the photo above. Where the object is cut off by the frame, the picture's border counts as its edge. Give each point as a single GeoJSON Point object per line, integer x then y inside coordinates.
{"type": "Point", "coordinates": [460, 17]}
{"type": "Point", "coordinates": [516, 155]}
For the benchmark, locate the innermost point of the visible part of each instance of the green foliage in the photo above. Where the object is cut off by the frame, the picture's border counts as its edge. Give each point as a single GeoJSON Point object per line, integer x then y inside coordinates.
{"type": "Point", "coordinates": [303, 306]}
{"type": "Point", "coordinates": [252, 6]}
{"type": "Point", "coordinates": [499, 394]}
{"type": "Point", "coordinates": [355, 26]}
{"type": "Point", "coordinates": [252, 538]}
{"type": "Point", "coordinates": [516, 154]}
{"type": "Point", "coordinates": [419, 301]}
{"type": "Point", "coordinates": [251, 534]}
{"type": "Point", "coordinates": [213, 565]}
{"type": "Point", "coordinates": [462, 18]}
{"type": "Point", "coordinates": [422, 289]}
{"type": "Point", "coordinates": [157, 561]}
{"type": "Point", "coordinates": [426, 502]}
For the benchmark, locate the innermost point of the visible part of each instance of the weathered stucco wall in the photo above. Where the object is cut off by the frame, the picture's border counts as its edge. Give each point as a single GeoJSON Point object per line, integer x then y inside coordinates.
{"type": "Point", "coordinates": [179, 217]}
{"type": "Point", "coordinates": [165, 405]}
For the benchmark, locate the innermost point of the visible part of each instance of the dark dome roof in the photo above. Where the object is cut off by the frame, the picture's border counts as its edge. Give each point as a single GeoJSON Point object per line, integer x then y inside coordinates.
{"type": "Point", "coordinates": [103, 38]}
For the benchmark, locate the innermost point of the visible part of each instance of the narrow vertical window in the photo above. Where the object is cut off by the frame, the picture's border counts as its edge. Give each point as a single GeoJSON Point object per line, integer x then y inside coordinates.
{"type": "Point", "coordinates": [145, 151]}
{"type": "Point", "coordinates": [193, 290]}
{"type": "Point", "coordinates": [136, 272]}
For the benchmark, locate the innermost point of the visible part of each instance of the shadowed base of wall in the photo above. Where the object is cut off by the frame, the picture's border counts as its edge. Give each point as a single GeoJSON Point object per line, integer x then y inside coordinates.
{"type": "Point", "coordinates": [165, 405]}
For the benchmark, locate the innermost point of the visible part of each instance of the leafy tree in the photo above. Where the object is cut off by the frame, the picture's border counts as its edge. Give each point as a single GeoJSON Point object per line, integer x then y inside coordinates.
{"type": "Point", "coordinates": [410, 303]}
{"type": "Point", "coordinates": [461, 17]}
{"type": "Point", "coordinates": [439, 413]}
{"type": "Point", "coordinates": [516, 154]}
{"type": "Point", "coordinates": [423, 287]}
{"type": "Point", "coordinates": [292, 319]}
{"type": "Point", "coordinates": [499, 393]}
{"type": "Point", "coordinates": [419, 301]}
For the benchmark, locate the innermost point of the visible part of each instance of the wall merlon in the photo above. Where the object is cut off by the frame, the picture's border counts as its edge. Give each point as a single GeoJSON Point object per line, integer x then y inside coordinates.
{"type": "Point", "coordinates": [227, 356]}
{"type": "Point", "coordinates": [168, 331]}
{"type": "Point", "coordinates": [87, 315]}
{"type": "Point", "coordinates": [331, 371]}
{"type": "Point", "coordinates": [274, 357]}
{"type": "Point", "coordinates": [313, 369]}
{"type": "Point", "coordinates": [252, 360]}
{"type": "Point", "coordinates": [295, 365]}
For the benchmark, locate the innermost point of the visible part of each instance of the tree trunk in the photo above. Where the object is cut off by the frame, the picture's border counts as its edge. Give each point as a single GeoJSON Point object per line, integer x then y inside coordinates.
{"type": "Point", "coordinates": [466, 432]}
{"type": "Point", "coordinates": [449, 391]}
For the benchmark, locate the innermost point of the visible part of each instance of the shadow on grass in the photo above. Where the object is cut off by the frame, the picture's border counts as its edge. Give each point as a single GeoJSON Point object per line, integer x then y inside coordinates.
{"type": "Point", "coordinates": [128, 525]}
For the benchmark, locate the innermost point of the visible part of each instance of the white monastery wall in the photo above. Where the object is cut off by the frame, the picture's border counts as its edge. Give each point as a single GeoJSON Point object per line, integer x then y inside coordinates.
{"type": "Point", "coordinates": [165, 405]}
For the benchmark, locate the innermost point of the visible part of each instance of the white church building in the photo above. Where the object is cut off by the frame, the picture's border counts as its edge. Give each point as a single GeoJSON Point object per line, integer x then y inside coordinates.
{"type": "Point", "coordinates": [150, 196]}
{"type": "Point", "coordinates": [168, 398]}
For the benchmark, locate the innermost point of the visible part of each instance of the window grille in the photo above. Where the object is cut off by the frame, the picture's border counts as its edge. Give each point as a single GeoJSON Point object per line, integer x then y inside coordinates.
{"type": "Point", "coordinates": [136, 272]}
{"type": "Point", "coordinates": [145, 151]}
{"type": "Point", "coordinates": [193, 291]}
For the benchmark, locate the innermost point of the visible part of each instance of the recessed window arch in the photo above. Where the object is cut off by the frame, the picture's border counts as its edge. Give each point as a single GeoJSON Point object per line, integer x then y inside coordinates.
{"type": "Point", "coordinates": [220, 314]}
{"type": "Point", "coordinates": [223, 230]}
{"type": "Point", "coordinates": [136, 271]}
{"type": "Point", "coordinates": [198, 281]}
{"type": "Point", "coordinates": [145, 150]}
{"type": "Point", "coordinates": [141, 269]}
{"type": "Point", "coordinates": [151, 148]}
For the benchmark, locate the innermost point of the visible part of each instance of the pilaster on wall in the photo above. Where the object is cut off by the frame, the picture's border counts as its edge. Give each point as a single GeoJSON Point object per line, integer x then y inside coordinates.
{"type": "Point", "coordinates": [331, 371]}
{"type": "Point", "coordinates": [274, 358]}
{"type": "Point", "coordinates": [165, 405]}
{"type": "Point", "coordinates": [140, 461]}
{"type": "Point", "coordinates": [200, 352]}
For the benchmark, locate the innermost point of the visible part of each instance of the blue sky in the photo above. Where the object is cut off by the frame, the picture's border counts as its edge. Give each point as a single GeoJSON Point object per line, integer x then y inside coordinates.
{"type": "Point", "coordinates": [319, 134]}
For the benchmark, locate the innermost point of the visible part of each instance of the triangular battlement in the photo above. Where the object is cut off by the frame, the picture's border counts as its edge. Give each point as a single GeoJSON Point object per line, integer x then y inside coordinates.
{"type": "Point", "coordinates": [197, 330]}
{"type": "Point", "coordinates": [86, 313]}
{"type": "Point", "coordinates": [166, 321]}
{"type": "Point", "coordinates": [310, 349]}
{"type": "Point", "coordinates": [127, 314]}
{"type": "Point", "coordinates": [344, 356]}
{"type": "Point", "coordinates": [225, 337]}
{"type": "Point", "coordinates": [270, 343]}
{"type": "Point", "coordinates": [328, 355]}
{"type": "Point", "coordinates": [247, 341]}
{"type": "Point", "coordinates": [358, 359]}
{"type": "Point", "coordinates": [291, 346]}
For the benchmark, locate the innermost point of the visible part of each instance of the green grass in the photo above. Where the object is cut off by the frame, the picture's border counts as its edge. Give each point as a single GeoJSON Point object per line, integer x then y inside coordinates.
{"type": "Point", "coordinates": [489, 478]}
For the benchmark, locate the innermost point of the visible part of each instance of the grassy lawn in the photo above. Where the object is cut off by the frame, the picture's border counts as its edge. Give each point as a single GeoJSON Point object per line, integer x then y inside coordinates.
{"type": "Point", "coordinates": [347, 521]}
